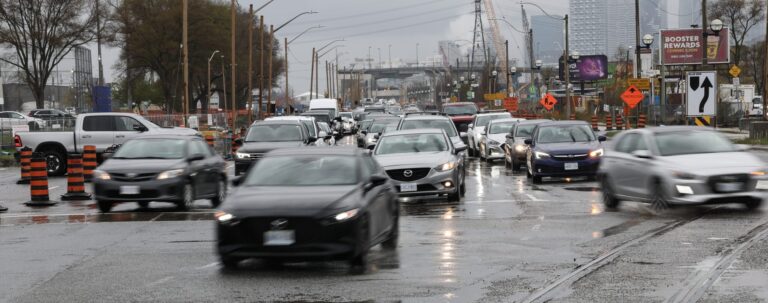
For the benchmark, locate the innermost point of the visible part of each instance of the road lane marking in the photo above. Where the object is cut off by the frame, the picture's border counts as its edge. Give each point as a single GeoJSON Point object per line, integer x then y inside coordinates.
{"type": "Point", "coordinates": [161, 281]}
{"type": "Point", "coordinates": [53, 187]}
{"type": "Point", "coordinates": [536, 227]}
{"type": "Point", "coordinates": [534, 199]}
{"type": "Point", "coordinates": [207, 266]}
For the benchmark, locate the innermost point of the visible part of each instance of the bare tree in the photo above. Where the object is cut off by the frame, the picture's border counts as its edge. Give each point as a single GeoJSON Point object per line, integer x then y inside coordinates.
{"type": "Point", "coordinates": [741, 16]}
{"type": "Point", "coordinates": [41, 33]}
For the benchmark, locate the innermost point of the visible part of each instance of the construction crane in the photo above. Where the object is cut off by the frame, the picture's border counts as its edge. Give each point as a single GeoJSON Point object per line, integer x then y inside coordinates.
{"type": "Point", "coordinates": [498, 42]}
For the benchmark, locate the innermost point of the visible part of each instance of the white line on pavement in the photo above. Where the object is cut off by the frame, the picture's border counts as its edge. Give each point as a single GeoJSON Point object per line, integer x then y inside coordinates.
{"type": "Point", "coordinates": [533, 198]}
{"type": "Point", "coordinates": [536, 227]}
{"type": "Point", "coordinates": [52, 187]}
{"type": "Point", "coordinates": [161, 281]}
{"type": "Point", "coordinates": [207, 266]}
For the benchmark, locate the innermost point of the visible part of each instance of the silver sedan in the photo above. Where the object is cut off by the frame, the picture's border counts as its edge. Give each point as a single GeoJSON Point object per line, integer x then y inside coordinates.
{"type": "Point", "coordinates": [680, 165]}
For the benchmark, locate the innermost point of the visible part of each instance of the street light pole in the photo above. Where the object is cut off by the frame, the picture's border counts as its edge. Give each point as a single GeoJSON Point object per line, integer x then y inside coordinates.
{"type": "Point", "coordinates": [233, 21]}
{"type": "Point", "coordinates": [209, 80]}
{"type": "Point", "coordinates": [261, 67]}
{"type": "Point", "coordinates": [390, 56]}
{"type": "Point", "coordinates": [567, 71]}
{"type": "Point", "coordinates": [250, 64]}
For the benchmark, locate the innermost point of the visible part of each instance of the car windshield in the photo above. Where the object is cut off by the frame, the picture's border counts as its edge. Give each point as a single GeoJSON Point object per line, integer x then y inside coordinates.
{"type": "Point", "coordinates": [525, 131]}
{"type": "Point", "coordinates": [483, 121]}
{"type": "Point", "coordinates": [460, 110]}
{"type": "Point", "coordinates": [381, 125]}
{"type": "Point", "coordinates": [274, 133]}
{"type": "Point", "coordinates": [319, 117]}
{"type": "Point", "coordinates": [413, 143]}
{"type": "Point", "coordinates": [502, 128]}
{"type": "Point", "coordinates": [375, 110]}
{"type": "Point", "coordinates": [151, 149]}
{"type": "Point", "coordinates": [692, 142]}
{"type": "Point", "coordinates": [365, 124]}
{"type": "Point", "coordinates": [565, 133]}
{"type": "Point", "coordinates": [443, 124]}
{"type": "Point", "coordinates": [303, 171]}
{"type": "Point", "coordinates": [310, 127]}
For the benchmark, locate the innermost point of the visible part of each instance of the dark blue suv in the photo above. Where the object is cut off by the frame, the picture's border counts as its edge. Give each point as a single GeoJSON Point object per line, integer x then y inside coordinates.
{"type": "Point", "coordinates": [563, 149]}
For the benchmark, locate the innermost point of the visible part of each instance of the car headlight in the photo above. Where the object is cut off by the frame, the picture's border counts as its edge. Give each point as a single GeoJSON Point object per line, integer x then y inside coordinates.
{"type": "Point", "coordinates": [596, 153]}
{"type": "Point", "coordinates": [101, 175]}
{"type": "Point", "coordinates": [541, 155]}
{"type": "Point", "coordinates": [446, 166]}
{"type": "Point", "coordinates": [243, 156]}
{"type": "Point", "coordinates": [683, 175]}
{"type": "Point", "coordinates": [168, 174]}
{"type": "Point", "coordinates": [371, 140]}
{"type": "Point", "coordinates": [224, 217]}
{"type": "Point", "coordinates": [519, 148]}
{"type": "Point", "coordinates": [759, 173]}
{"type": "Point", "coordinates": [493, 142]}
{"type": "Point", "coordinates": [343, 216]}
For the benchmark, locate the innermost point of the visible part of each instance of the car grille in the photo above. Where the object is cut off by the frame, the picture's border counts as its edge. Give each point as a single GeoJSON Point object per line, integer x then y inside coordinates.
{"type": "Point", "coordinates": [257, 156]}
{"type": "Point", "coordinates": [143, 194]}
{"type": "Point", "coordinates": [570, 157]}
{"type": "Point", "coordinates": [421, 188]}
{"type": "Point", "coordinates": [742, 179]}
{"type": "Point", "coordinates": [132, 177]}
{"type": "Point", "coordinates": [306, 229]}
{"type": "Point", "coordinates": [402, 175]}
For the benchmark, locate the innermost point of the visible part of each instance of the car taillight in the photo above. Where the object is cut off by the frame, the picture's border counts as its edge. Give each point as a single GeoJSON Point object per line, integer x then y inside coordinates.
{"type": "Point", "coordinates": [17, 141]}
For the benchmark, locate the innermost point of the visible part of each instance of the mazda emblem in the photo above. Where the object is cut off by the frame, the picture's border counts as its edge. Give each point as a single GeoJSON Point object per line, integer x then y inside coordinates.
{"type": "Point", "coordinates": [279, 224]}
{"type": "Point", "coordinates": [407, 173]}
{"type": "Point", "coordinates": [131, 175]}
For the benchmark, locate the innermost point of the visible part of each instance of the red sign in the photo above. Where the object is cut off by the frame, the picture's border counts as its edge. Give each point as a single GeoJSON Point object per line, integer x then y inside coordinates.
{"type": "Point", "coordinates": [632, 96]}
{"type": "Point", "coordinates": [686, 46]}
{"type": "Point", "coordinates": [548, 101]}
{"type": "Point", "coordinates": [511, 104]}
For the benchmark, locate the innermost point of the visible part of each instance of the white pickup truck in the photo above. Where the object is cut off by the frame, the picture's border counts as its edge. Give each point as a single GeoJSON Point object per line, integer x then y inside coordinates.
{"type": "Point", "coordinates": [99, 129]}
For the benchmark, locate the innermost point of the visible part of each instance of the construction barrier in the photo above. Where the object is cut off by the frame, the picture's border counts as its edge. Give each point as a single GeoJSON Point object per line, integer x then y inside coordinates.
{"type": "Point", "coordinates": [89, 162]}
{"type": "Point", "coordinates": [75, 179]}
{"type": "Point", "coordinates": [573, 116]}
{"type": "Point", "coordinates": [641, 121]}
{"type": "Point", "coordinates": [209, 140]}
{"type": "Point", "coordinates": [619, 122]}
{"type": "Point", "coordinates": [608, 122]}
{"type": "Point", "coordinates": [594, 123]}
{"type": "Point", "coordinates": [26, 158]}
{"type": "Point", "coordinates": [38, 185]}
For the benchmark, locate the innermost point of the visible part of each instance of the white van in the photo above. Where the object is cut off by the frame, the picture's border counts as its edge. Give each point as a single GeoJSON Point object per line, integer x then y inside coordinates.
{"type": "Point", "coordinates": [325, 104]}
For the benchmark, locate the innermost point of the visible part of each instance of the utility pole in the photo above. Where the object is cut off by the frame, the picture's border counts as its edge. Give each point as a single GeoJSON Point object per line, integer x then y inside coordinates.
{"type": "Point", "coordinates": [224, 82]}
{"type": "Point", "coordinates": [312, 75]}
{"type": "Point", "coordinates": [270, 107]}
{"type": "Point", "coordinates": [567, 71]}
{"type": "Point", "coordinates": [506, 72]}
{"type": "Point", "coordinates": [531, 55]}
{"type": "Point", "coordinates": [765, 74]}
{"type": "Point", "coordinates": [233, 68]}
{"type": "Point", "coordinates": [98, 41]}
{"type": "Point", "coordinates": [185, 42]}
{"type": "Point", "coordinates": [261, 67]}
{"type": "Point", "coordinates": [287, 94]}
{"type": "Point", "coordinates": [317, 75]}
{"type": "Point", "coordinates": [327, 79]}
{"type": "Point", "coordinates": [250, 64]}
{"type": "Point", "coordinates": [638, 43]}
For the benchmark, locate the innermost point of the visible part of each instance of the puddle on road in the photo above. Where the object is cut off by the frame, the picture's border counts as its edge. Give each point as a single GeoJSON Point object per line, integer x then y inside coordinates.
{"type": "Point", "coordinates": [583, 188]}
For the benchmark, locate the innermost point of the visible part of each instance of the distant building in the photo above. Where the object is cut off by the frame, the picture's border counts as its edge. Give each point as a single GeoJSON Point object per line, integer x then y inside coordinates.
{"type": "Point", "coordinates": [450, 51]}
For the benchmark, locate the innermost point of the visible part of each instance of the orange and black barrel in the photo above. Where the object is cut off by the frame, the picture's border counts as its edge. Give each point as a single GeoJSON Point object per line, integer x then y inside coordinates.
{"type": "Point", "coordinates": [38, 185]}
{"type": "Point", "coordinates": [608, 122]}
{"type": "Point", "coordinates": [25, 155]}
{"type": "Point", "coordinates": [641, 121]}
{"type": "Point", "coordinates": [594, 123]}
{"type": "Point", "coordinates": [89, 162]}
{"type": "Point", "coordinates": [619, 122]}
{"type": "Point", "coordinates": [75, 179]}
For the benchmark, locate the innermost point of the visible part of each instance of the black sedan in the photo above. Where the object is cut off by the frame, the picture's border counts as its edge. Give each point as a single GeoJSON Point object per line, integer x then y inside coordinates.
{"type": "Point", "coordinates": [265, 136]}
{"type": "Point", "coordinates": [309, 204]}
{"type": "Point", "coordinates": [562, 149]}
{"type": "Point", "coordinates": [161, 169]}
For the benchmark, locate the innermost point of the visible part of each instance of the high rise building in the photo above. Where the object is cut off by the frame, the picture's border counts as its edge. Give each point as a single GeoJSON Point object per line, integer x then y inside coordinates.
{"type": "Point", "coordinates": [548, 38]}
{"type": "Point", "coordinates": [588, 26]}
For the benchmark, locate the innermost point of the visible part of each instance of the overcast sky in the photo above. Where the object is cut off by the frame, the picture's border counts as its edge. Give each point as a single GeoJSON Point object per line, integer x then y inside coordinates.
{"type": "Point", "coordinates": [377, 24]}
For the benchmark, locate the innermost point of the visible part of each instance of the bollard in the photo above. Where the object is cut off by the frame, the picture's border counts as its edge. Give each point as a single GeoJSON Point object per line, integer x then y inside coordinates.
{"type": "Point", "coordinates": [594, 123]}
{"type": "Point", "coordinates": [89, 162]}
{"type": "Point", "coordinates": [39, 182]}
{"type": "Point", "coordinates": [641, 121]}
{"type": "Point", "coordinates": [75, 180]}
{"type": "Point", "coordinates": [619, 122]}
{"type": "Point", "coordinates": [608, 122]}
{"type": "Point", "coordinates": [25, 157]}
{"type": "Point", "coordinates": [573, 116]}
{"type": "Point", "coordinates": [209, 140]}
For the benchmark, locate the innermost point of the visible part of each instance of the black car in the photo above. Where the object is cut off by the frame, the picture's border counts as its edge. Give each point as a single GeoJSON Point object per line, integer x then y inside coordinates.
{"type": "Point", "coordinates": [289, 208]}
{"type": "Point", "coordinates": [53, 116]}
{"type": "Point", "coordinates": [265, 136]}
{"type": "Point", "coordinates": [172, 169]}
{"type": "Point", "coordinates": [563, 149]}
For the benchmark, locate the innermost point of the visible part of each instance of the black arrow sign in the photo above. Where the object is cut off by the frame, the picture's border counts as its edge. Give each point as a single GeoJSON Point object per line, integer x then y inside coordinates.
{"type": "Point", "coordinates": [706, 85]}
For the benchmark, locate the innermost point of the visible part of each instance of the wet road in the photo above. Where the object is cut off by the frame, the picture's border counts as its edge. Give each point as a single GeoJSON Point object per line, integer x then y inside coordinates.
{"type": "Point", "coordinates": [507, 241]}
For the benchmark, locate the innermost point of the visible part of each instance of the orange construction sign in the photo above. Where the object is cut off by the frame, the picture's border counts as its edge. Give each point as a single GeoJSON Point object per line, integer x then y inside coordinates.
{"type": "Point", "coordinates": [548, 101]}
{"type": "Point", "coordinates": [511, 104]}
{"type": "Point", "coordinates": [632, 96]}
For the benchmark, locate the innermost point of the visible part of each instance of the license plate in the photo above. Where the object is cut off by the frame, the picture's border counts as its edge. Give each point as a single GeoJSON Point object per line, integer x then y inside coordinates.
{"type": "Point", "coordinates": [129, 190]}
{"type": "Point", "coordinates": [408, 187]}
{"type": "Point", "coordinates": [279, 238]}
{"type": "Point", "coordinates": [572, 166]}
{"type": "Point", "coordinates": [729, 187]}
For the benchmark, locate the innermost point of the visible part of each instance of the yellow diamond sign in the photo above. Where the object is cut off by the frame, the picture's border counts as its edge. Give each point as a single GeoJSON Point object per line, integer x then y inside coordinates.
{"type": "Point", "coordinates": [735, 71]}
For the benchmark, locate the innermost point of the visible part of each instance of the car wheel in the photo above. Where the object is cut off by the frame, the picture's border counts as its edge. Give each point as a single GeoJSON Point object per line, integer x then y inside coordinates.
{"type": "Point", "coordinates": [609, 196]}
{"type": "Point", "coordinates": [144, 204]}
{"type": "Point", "coordinates": [660, 200]}
{"type": "Point", "coordinates": [221, 194]}
{"type": "Point", "coordinates": [754, 204]}
{"type": "Point", "coordinates": [104, 206]}
{"type": "Point", "coordinates": [537, 179]}
{"type": "Point", "coordinates": [187, 197]}
{"type": "Point", "coordinates": [394, 234]}
{"type": "Point", "coordinates": [359, 261]}
{"type": "Point", "coordinates": [55, 163]}
{"type": "Point", "coordinates": [463, 187]}
{"type": "Point", "coordinates": [229, 262]}
{"type": "Point", "coordinates": [456, 196]}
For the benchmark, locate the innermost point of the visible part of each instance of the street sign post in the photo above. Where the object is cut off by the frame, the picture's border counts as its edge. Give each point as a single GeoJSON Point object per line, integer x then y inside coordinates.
{"type": "Point", "coordinates": [632, 96]}
{"type": "Point", "coordinates": [702, 91]}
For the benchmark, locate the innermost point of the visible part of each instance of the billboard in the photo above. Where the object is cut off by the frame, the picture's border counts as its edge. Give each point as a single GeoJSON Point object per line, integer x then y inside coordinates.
{"type": "Point", "coordinates": [686, 46]}
{"type": "Point", "coordinates": [587, 68]}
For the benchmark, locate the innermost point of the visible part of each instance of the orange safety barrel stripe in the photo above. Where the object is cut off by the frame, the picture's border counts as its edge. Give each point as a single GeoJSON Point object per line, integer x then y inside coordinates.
{"type": "Point", "coordinates": [39, 182]}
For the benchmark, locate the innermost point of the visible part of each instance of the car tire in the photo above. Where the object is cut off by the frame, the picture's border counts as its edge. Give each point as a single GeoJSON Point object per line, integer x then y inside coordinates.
{"type": "Point", "coordinates": [659, 200]}
{"type": "Point", "coordinates": [56, 163]}
{"type": "Point", "coordinates": [359, 261]}
{"type": "Point", "coordinates": [754, 204]}
{"type": "Point", "coordinates": [609, 196]}
{"type": "Point", "coordinates": [229, 262]}
{"type": "Point", "coordinates": [537, 179]}
{"type": "Point", "coordinates": [187, 197]}
{"type": "Point", "coordinates": [394, 234]}
{"type": "Point", "coordinates": [456, 196]}
{"type": "Point", "coordinates": [144, 204]}
{"type": "Point", "coordinates": [221, 193]}
{"type": "Point", "coordinates": [104, 206]}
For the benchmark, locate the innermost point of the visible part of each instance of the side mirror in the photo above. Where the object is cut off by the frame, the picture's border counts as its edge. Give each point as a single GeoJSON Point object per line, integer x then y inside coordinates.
{"type": "Point", "coordinates": [528, 141]}
{"type": "Point", "coordinates": [364, 132]}
{"type": "Point", "coordinates": [140, 128]}
{"type": "Point", "coordinates": [463, 135]}
{"type": "Point", "coordinates": [643, 154]}
{"type": "Point", "coordinates": [509, 136]}
{"type": "Point", "coordinates": [378, 179]}
{"type": "Point", "coordinates": [372, 146]}
{"type": "Point", "coordinates": [311, 140]}
{"type": "Point", "coordinates": [239, 141]}
{"type": "Point", "coordinates": [601, 138]}
{"type": "Point", "coordinates": [195, 157]}
{"type": "Point", "coordinates": [460, 149]}
{"type": "Point", "coordinates": [377, 136]}
{"type": "Point", "coordinates": [237, 181]}
{"type": "Point", "coordinates": [471, 125]}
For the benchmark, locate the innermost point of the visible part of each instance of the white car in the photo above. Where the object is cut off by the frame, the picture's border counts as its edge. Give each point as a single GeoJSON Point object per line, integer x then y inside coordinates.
{"type": "Point", "coordinates": [312, 125]}
{"type": "Point", "coordinates": [494, 136]}
{"type": "Point", "coordinates": [9, 119]}
{"type": "Point", "coordinates": [475, 130]}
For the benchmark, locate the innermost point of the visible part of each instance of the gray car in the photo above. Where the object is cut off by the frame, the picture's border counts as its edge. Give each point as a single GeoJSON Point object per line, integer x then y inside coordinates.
{"type": "Point", "coordinates": [680, 165]}
{"type": "Point", "coordinates": [422, 163]}
{"type": "Point", "coordinates": [428, 120]}
{"type": "Point", "coordinates": [514, 145]}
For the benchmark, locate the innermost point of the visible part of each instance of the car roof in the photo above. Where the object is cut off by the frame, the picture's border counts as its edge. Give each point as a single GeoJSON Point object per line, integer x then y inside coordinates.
{"type": "Point", "coordinates": [537, 121]}
{"type": "Point", "coordinates": [426, 117]}
{"type": "Point", "coordinates": [415, 131]}
{"type": "Point", "coordinates": [460, 104]}
{"type": "Point", "coordinates": [316, 151]}
{"type": "Point", "coordinates": [492, 114]}
{"type": "Point", "coordinates": [269, 122]}
{"type": "Point", "coordinates": [507, 120]}
{"type": "Point", "coordinates": [679, 128]}
{"type": "Point", "coordinates": [169, 137]}
{"type": "Point", "coordinates": [289, 118]}
{"type": "Point", "coordinates": [564, 122]}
